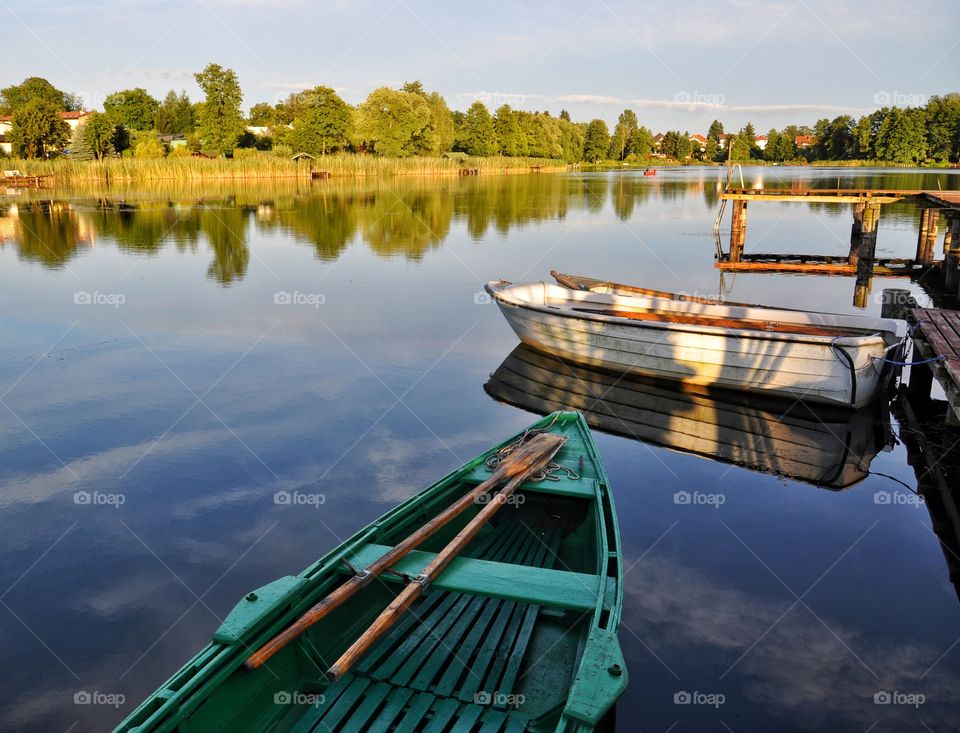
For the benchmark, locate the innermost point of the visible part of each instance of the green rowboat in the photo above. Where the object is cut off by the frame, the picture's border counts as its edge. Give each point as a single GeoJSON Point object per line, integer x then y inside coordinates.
{"type": "Point", "coordinates": [517, 633]}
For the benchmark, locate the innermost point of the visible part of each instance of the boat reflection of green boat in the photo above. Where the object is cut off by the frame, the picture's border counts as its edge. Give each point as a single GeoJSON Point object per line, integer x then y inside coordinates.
{"type": "Point", "coordinates": [828, 447]}
{"type": "Point", "coordinates": [517, 633]}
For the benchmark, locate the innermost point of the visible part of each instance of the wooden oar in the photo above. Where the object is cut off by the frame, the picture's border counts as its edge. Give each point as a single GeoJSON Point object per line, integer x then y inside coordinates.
{"type": "Point", "coordinates": [522, 463]}
{"type": "Point", "coordinates": [546, 445]}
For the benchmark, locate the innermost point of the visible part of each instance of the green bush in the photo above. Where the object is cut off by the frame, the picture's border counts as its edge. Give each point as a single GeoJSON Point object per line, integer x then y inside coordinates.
{"type": "Point", "coordinates": [240, 153]}
{"type": "Point", "coordinates": [284, 151]}
{"type": "Point", "coordinates": [148, 147]}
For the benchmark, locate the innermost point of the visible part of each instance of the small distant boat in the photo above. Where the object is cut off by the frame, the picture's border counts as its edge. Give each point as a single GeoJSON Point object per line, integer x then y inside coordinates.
{"type": "Point", "coordinates": [516, 630]}
{"type": "Point", "coordinates": [650, 172]}
{"type": "Point", "coordinates": [809, 356]}
{"type": "Point", "coordinates": [825, 446]}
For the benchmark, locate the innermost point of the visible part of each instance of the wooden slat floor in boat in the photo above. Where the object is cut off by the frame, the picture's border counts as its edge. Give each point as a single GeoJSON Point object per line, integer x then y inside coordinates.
{"type": "Point", "coordinates": [428, 675]}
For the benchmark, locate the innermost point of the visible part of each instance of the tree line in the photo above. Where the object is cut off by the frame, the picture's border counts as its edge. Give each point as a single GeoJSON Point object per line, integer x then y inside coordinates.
{"type": "Point", "coordinates": [412, 121]}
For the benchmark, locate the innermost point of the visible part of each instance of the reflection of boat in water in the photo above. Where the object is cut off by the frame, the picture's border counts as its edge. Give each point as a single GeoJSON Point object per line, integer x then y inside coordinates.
{"type": "Point", "coordinates": [816, 357]}
{"type": "Point", "coordinates": [831, 448]}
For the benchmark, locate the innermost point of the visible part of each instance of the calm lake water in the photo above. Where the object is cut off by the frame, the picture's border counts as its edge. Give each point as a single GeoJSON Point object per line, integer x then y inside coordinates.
{"type": "Point", "coordinates": [170, 359]}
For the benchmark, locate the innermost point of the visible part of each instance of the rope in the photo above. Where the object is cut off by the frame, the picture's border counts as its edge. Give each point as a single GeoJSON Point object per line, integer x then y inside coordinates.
{"type": "Point", "coordinates": [551, 472]}
{"type": "Point", "coordinates": [932, 359]}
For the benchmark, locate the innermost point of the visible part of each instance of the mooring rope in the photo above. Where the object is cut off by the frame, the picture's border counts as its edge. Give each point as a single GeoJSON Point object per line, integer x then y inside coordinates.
{"type": "Point", "coordinates": [551, 472]}
{"type": "Point", "coordinates": [931, 360]}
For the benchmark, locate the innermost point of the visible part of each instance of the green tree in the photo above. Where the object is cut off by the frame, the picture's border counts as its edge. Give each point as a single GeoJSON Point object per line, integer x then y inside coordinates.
{"type": "Point", "coordinates": [148, 146]}
{"type": "Point", "coordinates": [437, 135]}
{"type": "Point", "coordinates": [596, 143]}
{"type": "Point", "coordinates": [37, 131]}
{"type": "Point", "coordinates": [684, 147]}
{"type": "Point", "coordinates": [390, 119]}
{"type": "Point", "coordinates": [509, 133]}
{"type": "Point", "coordinates": [943, 127]}
{"type": "Point", "coordinates": [902, 137]}
{"type": "Point", "coordinates": [261, 115]}
{"type": "Point", "coordinates": [80, 145]}
{"type": "Point", "coordinates": [175, 115]}
{"type": "Point", "coordinates": [863, 138]}
{"type": "Point", "coordinates": [715, 131]}
{"type": "Point", "coordinates": [668, 143]}
{"type": "Point", "coordinates": [322, 125]}
{"type": "Point", "coordinates": [99, 132]}
{"type": "Point", "coordinates": [220, 120]}
{"type": "Point", "coordinates": [564, 115]}
{"type": "Point", "coordinates": [135, 109]}
{"type": "Point", "coordinates": [620, 140]}
{"type": "Point", "coordinates": [16, 96]}
{"type": "Point", "coordinates": [478, 135]}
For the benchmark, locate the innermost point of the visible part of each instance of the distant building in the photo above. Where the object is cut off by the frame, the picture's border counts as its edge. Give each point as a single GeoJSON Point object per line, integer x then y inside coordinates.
{"type": "Point", "coordinates": [73, 119]}
{"type": "Point", "coordinates": [804, 141]}
{"type": "Point", "coordinates": [173, 141]}
{"type": "Point", "coordinates": [657, 139]}
{"type": "Point", "coordinates": [761, 141]}
{"type": "Point", "coordinates": [258, 130]}
{"type": "Point", "coordinates": [699, 141]}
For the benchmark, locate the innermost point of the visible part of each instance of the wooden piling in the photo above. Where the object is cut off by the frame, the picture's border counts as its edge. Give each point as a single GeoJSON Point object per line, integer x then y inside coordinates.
{"type": "Point", "coordinates": [951, 257]}
{"type": "Point", "coordinates": [927, 236]}
{"type": "Point", "coordinates": [738, 230]}
{"type": "Point", "coordinates": [865, 254]}
{"type": "Point", "coordinates": [856, 230]}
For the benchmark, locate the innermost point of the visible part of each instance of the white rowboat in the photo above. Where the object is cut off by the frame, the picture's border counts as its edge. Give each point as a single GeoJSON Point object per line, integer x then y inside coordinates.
{"type": "Point", "coordinates": [816, 357]}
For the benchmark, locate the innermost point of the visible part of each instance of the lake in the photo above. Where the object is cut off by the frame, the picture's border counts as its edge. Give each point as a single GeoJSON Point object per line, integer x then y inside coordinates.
{"type": "Point", "coordinates": [172, 358]}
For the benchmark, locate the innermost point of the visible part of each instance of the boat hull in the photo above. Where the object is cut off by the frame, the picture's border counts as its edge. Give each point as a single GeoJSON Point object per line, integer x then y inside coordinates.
{"type": "Point", "coordinates": [841, 371]}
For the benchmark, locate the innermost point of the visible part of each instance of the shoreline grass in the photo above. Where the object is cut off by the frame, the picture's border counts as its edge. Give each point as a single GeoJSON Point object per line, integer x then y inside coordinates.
{"type": "Point", "coordinates": [268, 166]}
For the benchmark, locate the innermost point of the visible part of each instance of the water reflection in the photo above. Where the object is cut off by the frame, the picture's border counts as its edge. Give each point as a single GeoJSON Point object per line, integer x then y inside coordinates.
{"type": "Point", "coordinates": [395, 218]}
{"type": "Point", "coordinates": [827, 448]}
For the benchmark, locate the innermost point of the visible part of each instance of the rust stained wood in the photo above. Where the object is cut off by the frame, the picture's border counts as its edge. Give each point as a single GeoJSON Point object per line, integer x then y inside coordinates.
{"type": "Point", "coordinates": [520, 465]}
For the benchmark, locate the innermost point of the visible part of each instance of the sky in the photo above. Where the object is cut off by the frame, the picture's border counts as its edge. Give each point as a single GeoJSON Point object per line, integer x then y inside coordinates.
{"type": "Point", "coordinates": [678, 66]}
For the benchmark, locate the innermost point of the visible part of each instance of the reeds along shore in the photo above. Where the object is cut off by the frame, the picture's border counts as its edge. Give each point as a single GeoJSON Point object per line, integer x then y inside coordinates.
{"type": "Point", "coordinates": [269, 166]}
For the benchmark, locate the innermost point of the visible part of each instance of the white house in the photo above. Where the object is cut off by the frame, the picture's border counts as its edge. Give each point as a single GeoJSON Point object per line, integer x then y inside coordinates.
{"type": "Point", "coordinates": [73, 120]}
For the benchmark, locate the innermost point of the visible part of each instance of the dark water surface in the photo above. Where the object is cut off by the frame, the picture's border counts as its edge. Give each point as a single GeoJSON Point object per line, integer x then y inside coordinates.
{"type": "Point", "coordinates": [157, 390]}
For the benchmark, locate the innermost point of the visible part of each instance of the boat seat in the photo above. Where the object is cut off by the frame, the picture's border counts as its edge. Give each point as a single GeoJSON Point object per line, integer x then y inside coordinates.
{"type": "Point", "coordinates": [433, 672]}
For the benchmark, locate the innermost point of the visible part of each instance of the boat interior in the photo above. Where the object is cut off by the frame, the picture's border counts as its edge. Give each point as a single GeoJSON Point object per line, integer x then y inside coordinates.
{"type": "Point", "coordinates": [494, 643]}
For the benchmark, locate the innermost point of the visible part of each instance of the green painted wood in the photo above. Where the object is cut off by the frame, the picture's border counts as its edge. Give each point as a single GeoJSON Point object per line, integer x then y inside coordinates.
{"type": "Point", "coordinates": [585, 487]}
{"type": "Point", "coordinates": [493, 721]}
{"type": "Point", "coordinates": [450, 650]}
{"type": "Point", "coordinates": [407, 645]}
{"type": "Point", "coordinates": [341, 708]}
{"type": "Point", "coordinates": [515, 724]}
{"type": "Point", "coordinates": [460, 664]}
{"type": "Point", "coordinates": [434, 639]}
{"type": "Point", "coordinates": [313, 714]}
{"type": "Point", "coordinates": [423, 607]}
{"type": "Point", "coordinates": [488, 648]}
{"type": "Point", "coordinates": [544, 587]}
{"type": "Point", "coordinates": [469, 714]}
{"type": "Point", "coordinates": [367, 707]}
{"type": "Point", "coordinates": [415, 713]}
{"type": "Point", "coordinates": [391, 711]}
{"type": "Point", "coordinates": [443, 713]}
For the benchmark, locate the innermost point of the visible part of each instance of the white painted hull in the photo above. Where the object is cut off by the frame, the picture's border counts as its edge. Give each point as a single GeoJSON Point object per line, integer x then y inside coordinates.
{"type": "Point", "coordinates": [559, 321]}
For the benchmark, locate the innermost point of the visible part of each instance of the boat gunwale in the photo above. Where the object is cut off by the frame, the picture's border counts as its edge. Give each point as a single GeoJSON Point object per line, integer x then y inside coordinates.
{"type": "Point", "coordinates": [868, 339]}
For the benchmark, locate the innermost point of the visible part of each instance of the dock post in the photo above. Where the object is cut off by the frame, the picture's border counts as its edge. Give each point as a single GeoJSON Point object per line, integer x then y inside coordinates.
{"type": "Point", "coordinates": [896, 302]}
{"type": "Point", "coordinates": [856, 230]}
{"type": "Point", "coordinates": [927, 236]}
{"type": "Point", "coordinates": [738, 229]}
{"type": "Point", "coordinates": [865, 254]}
{"type": "Point", "coordinates": [951, 257]}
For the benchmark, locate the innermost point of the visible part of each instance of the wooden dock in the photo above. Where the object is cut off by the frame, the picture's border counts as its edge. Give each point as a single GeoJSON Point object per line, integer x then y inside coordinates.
{"type": "Point", "coordinates": [15, 179]}
{"type": "Point", "coordinates": [936, 340]}
{"type": "Point", "coordinates": [860, 260]}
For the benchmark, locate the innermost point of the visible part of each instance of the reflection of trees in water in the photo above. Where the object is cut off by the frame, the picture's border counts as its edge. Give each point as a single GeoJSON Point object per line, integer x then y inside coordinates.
{"type": "Point", "coordinates": [49, 232]}
{"type": "Point", "coordinates": [395, 217]}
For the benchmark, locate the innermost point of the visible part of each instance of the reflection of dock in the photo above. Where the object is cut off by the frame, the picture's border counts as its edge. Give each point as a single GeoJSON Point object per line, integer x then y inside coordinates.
{"type": "Point", "coordinates": [817, 445]}
{"type": "Point", "coordinates": [932, 452]}
{"type": "Point", "coordinates": [860, 261]}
